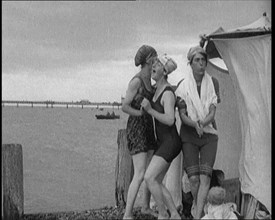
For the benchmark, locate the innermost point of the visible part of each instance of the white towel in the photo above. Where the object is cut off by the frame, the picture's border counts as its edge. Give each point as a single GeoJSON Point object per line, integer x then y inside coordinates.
{"type": "Point", "coordinates": [198, 107]}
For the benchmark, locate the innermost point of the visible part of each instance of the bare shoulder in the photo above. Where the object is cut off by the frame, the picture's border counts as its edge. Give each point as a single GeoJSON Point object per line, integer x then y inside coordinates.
{"type": "Point", "coordinates": [134, 83]}
{"type": "Point", "coordinates": [168, 96]}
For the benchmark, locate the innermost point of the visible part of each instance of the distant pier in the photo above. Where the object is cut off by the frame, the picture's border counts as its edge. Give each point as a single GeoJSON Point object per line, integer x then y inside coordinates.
{"type": "Point", "coordinates": [65, 104]}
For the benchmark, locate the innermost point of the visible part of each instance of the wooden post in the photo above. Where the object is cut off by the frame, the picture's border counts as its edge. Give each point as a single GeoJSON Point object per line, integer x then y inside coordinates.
{"type": "Point", "coordinates": [233, 191]}
{"type": "Point", "coordinates": [124, 169]}
{"type": "Point", "coordinates": [173, 180]}
{"type": "Point", "coordinates": [12, 180]}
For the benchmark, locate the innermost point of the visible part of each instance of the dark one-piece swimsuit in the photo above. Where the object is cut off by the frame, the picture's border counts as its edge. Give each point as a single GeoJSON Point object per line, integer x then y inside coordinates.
{"type": "Point", "coordinates": [168, 139]}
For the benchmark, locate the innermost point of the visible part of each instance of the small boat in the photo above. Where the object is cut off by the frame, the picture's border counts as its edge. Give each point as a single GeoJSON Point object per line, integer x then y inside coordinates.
{"type": "Point", "coordinates": [108, 116]}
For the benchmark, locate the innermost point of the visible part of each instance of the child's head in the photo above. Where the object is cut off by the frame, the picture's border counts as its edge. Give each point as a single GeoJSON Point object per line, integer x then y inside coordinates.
{"type": "Point", "coordinates": [216, 195]}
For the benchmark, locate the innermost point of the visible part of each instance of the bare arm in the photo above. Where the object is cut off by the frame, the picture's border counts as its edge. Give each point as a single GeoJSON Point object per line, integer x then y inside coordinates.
{"type": "Point", "coordinates": [168, 102]}
{"type": "Point", "coordinates": [130, 94]}
{"type": "Point", "coordinates": [188, 121]}
{"type": "Point", "coordinates": [185, 119]}
{"type": "Point", "coordinates": [210, 117]}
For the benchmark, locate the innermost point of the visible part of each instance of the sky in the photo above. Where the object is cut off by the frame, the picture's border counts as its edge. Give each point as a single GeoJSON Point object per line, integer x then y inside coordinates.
{"type": "Point", "coordinates": [74, 50]}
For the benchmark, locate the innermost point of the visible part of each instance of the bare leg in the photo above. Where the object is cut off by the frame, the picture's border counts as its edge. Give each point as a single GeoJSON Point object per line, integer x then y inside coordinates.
{"type": "Point", "coordinates": [169, 202]}
{"type": "Point", "coordinates": [191, 162]}
{"type": "Point", "coordinates": [194, 187]}
{"type": "Point", "coordinates": [153, 178]}
{"type": "Point", "coordinates": [146, 193]}
{"type": "Point", "coordinates": [202, 194]}
{"type": "Point", "coordinates": [139, 162]}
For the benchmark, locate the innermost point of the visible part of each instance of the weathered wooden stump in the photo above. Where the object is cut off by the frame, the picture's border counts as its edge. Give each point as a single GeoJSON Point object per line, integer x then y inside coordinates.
{"type": "Point", "coordinates": [12, 180]}
{"type": "Point", "coordinates": [124, 169]}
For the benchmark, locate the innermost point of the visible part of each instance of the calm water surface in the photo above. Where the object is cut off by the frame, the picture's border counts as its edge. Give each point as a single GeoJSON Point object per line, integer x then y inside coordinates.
{"type": "Point", "coordinates": [68, 156]}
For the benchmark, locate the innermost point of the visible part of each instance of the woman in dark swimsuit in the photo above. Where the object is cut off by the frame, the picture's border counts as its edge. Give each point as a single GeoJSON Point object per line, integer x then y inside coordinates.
{"type": "Point", "coordinates": [162, 108]}
{"type": "Point", "coordinates": [140, 131]}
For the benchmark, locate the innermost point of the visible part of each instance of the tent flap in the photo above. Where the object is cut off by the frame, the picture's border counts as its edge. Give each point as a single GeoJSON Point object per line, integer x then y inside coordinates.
{"type": "Point", "coordinates": [246, 52]}
{"type": "Point", "coordinates": [260, 27]}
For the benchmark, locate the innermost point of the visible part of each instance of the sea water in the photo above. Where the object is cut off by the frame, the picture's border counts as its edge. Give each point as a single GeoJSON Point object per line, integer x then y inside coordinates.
{"type": "Point", "coordinates": [69, 156]}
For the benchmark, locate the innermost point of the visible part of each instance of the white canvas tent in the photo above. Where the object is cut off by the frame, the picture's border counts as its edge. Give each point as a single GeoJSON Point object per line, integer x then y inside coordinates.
{"type": "Point", "coordinates": [246, 51]}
